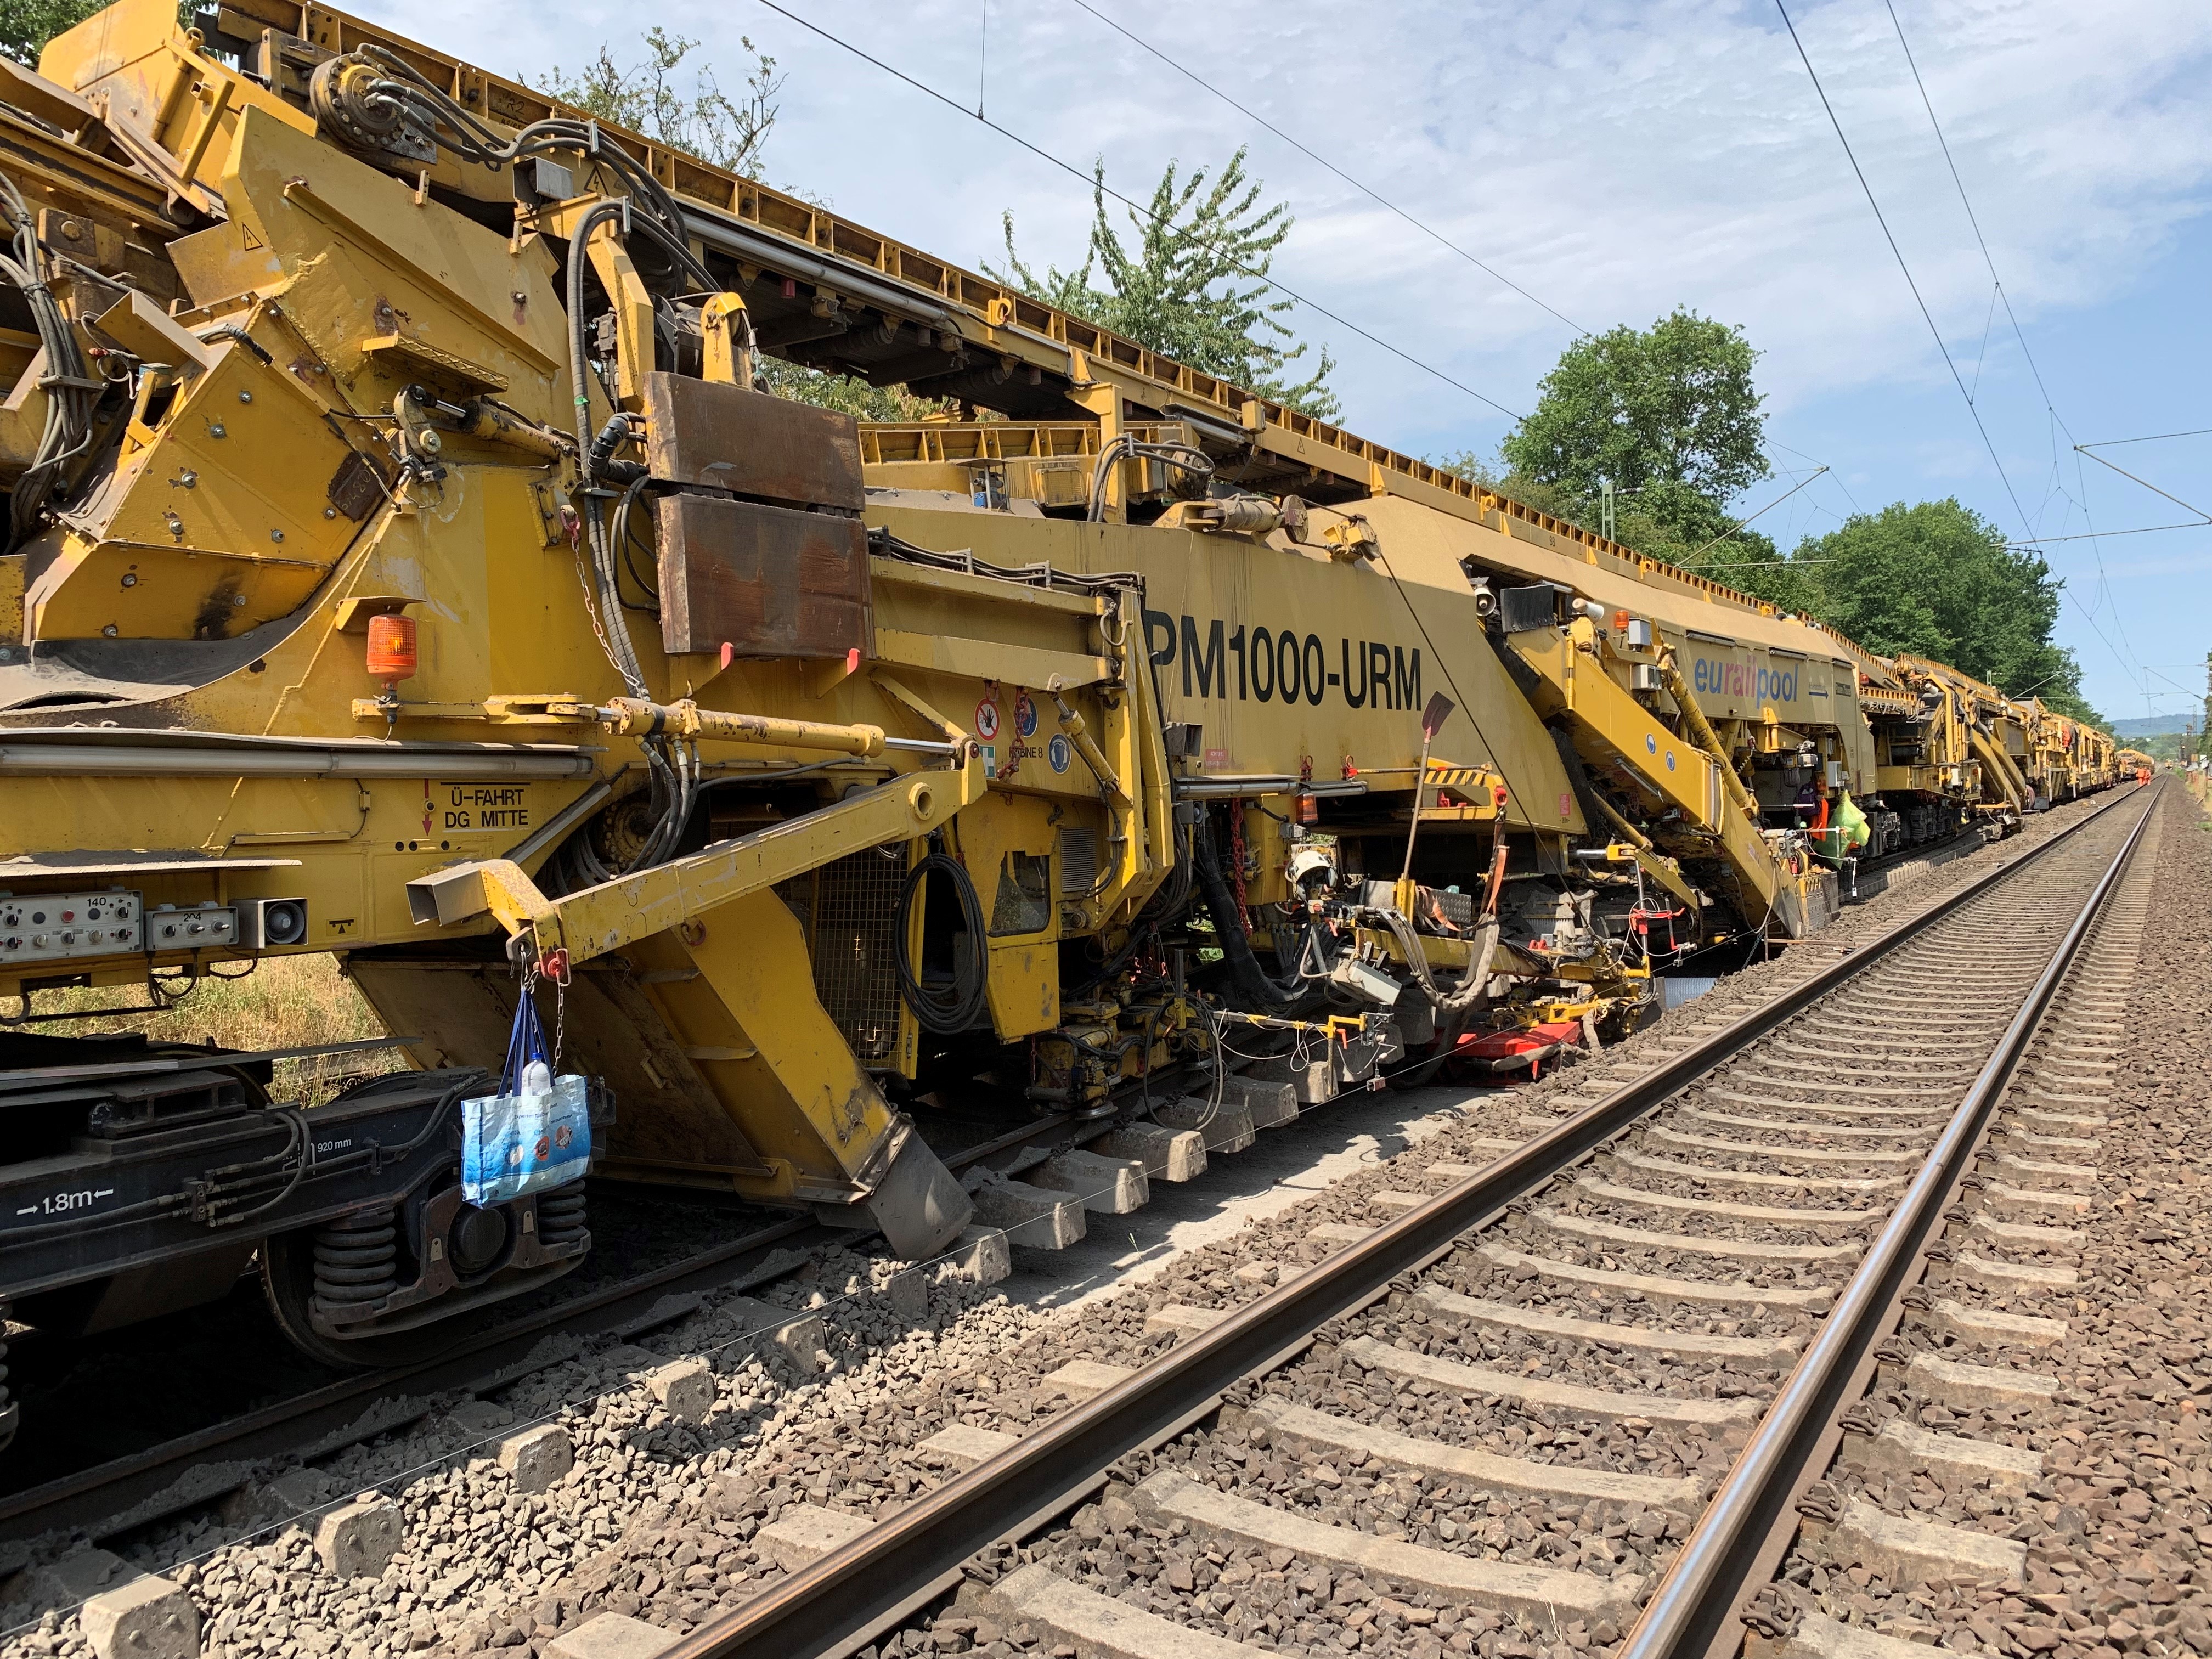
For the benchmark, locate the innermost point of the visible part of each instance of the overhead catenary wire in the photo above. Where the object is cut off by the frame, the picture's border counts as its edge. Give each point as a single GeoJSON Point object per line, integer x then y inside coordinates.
{"type": "Point", "coordinates": [2049, 405]}
{"type": "Point", "coordinates": [1069, 168]}
{"type": "Point", "coordinates": [2149, 438]}
{"type": "Point", "coordinates": [2092, 535]}
{"type": "Point", "coordinates": [1427, 229]}
{"type": "Point", "coordinates": [1373, 194]}
{"type": "Point", "coordinates": [1881, 219]}
{"type": "Point", "coordinates": [1973, 410]}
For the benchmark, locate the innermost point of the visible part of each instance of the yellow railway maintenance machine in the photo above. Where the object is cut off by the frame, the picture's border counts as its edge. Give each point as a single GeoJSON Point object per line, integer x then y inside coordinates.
{"type": "Point", "coordinates": [402, 565]}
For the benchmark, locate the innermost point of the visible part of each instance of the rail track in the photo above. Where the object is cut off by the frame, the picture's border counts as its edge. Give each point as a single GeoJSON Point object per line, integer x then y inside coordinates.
{"type": "Point", "coordinates": [1563, 1407]}
{"type": "Point", "coordinates": [1685, 1218]}
{"type": "Point", "coordinates": [87, 1486]}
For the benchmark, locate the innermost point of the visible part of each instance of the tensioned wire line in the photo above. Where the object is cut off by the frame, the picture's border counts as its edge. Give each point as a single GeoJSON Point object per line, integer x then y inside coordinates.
{"type": "Point", "coordinates": [1069, 168]}
{"type": "Point", "coordinates": [2152, 438]}
{"type": "Point", "coordinates": [1372, 194]}
{"type": "Point", "coordinates": [1927, 316]}
{"type": "Point", "coordinates": [1318, 160]}
{"type": "Point", "coordinates": [2050, 407]}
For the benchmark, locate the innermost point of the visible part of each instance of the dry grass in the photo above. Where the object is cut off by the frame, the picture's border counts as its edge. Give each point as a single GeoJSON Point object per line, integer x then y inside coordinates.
{"type": "Point", "coordinates": [286, 1002]}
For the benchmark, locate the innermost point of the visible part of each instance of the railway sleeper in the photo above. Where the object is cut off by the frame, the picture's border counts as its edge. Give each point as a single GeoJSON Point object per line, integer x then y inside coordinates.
{"type": "Point", "coordinates": [1301, 1428]}
{"type": "Point", "coordinates": [1551, 1597]}
{"type": "Point", "coordinates": [1905, 1551]}
{"type": "Point", "coordinates": [1956, 1460]}
{"type": "Point", "coordinates": [1097, 1626]}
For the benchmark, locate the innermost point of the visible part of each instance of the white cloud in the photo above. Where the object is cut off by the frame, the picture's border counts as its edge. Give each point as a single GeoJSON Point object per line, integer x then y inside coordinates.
{"type": "Point", "coordinates": [1616, 158]}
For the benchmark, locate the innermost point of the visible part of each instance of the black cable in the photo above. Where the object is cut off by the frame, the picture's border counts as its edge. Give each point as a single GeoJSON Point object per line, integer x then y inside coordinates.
{"type": "Point", "coordinates": [1183, 68]}
{"type": "Point", "coordinates": [68, 432]}
{"type": "Point", "coordinates": [961, 1006]}
{"type": "Point", "coordinates": [1926, 316]}
{"type": "Point", "coordinates": [626, 538]}
{"type": "Point", "coordinates": [2050, 407]}
{"type": "Point", "coordinates": [1244, 968]}
{"type": "Point", "coordinates": [1145, 212]}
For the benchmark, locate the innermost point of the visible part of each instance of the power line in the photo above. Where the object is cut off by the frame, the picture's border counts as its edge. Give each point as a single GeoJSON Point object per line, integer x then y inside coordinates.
{"type": "Point", "coordinates": [1899, 253]}
{"type": "Point", "coordinates": [2092, 535]}
{"type": "Point", "coordinates": [1320, 161]}
{"type": "Point", "coordinates": [1964, 202]}
{"type": "Point", "coordinates": [1997, 284]}
{"type": "Point", "coordinates": [2155, 437]}
{"type": "Point", "coordinates": [1997, 289]}
{"type": "Point", "coordinates": [2147, 484]}
{"type": "Point", "coordinates": [1434, 235]}
{"type": "Point", "coordinates": [1097, 183]}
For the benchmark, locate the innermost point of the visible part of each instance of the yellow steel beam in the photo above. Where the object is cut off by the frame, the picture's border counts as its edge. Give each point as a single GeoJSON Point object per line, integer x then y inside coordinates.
{"type": "Point", "coordinates": [616, 913]}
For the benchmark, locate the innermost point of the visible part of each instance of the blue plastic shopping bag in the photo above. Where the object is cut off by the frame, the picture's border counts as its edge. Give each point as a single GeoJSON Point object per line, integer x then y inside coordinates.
{"type": "Point", "coordinates": [535, 1133]}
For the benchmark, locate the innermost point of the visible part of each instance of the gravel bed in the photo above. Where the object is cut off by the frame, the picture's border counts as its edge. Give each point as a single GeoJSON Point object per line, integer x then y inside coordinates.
{"type": "Point", "coordinates": [659, 1518]}
{"type": "Point", "coordinates": [2116, 1526]}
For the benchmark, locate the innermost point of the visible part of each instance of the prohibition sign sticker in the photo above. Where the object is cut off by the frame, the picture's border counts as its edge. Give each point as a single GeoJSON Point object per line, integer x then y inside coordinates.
{"type": "Point", "coordinates": [986, 720]}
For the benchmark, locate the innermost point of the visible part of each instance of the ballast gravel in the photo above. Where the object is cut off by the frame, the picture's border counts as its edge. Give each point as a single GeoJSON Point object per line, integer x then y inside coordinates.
{"type": "Point", "coordinates": [660, 1519]}
{"type": "Point", "coordinates": [2117, 1527]}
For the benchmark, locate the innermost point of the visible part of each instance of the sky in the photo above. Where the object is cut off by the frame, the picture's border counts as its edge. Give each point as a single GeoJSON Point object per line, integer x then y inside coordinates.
{"type": "Point", "coordinates": [1615, 159]}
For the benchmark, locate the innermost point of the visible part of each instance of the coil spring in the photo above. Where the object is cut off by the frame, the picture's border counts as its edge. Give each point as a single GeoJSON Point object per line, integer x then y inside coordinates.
{"type": "Point", "coordinates": [357, 1258]}
{"type": "Point", "coordinates": [560, 1217]}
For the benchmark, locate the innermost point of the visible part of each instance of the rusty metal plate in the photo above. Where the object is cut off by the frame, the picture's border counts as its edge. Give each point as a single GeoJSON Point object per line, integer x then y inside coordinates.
{"type": "Point", "coordinates": [724, 437]}
{"type": "Point", "coordinates": [767, 581]}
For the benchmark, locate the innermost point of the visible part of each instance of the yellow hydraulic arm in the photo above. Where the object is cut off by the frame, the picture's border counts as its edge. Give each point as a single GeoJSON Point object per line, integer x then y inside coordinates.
{"type": "Point", "coordinates": [2000, 763]}
{"type": "Point", "coordinates": [630, 908]}
{"type": "Point", "coordinates": [1607, 725]}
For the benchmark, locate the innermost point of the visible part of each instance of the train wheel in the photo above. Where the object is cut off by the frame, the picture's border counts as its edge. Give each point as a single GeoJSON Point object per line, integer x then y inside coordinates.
{"type": "Point", "coordinates": [349, 1254]}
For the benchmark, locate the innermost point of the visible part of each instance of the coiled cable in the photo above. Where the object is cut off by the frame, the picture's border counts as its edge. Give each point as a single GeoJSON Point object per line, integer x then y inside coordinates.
{"type": "Point", "coordinates": [960, 1006]}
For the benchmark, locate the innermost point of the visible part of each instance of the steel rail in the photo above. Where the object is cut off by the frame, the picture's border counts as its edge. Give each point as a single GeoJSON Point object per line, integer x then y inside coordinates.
{"type": "Point", "coordinates": [848, 1597]}
{"type": "Point", "coordinates": [194, 1468]}
{"type": "Point", "coordinates": [1692, 1613]}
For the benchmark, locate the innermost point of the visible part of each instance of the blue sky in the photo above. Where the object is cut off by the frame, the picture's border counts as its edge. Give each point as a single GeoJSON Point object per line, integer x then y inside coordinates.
{"type": "Point", "coordinates": [1615, 160]}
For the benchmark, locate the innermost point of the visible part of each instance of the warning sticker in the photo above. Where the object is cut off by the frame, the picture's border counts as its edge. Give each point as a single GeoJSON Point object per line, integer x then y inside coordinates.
{"type": "Point", "coordinates": [986, 720]}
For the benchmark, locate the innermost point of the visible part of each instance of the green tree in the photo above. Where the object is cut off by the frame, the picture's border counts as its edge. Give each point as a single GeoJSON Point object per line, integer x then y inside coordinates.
{"type": "Point", "coordinates": [1192, 283]}
{"type": "Point", "coordinates": [729, 132]}
{"type": "Point", "coordinates": [847, 393]}
{"type": "Point", "coordinates": [1937, 579]}
{"type": "Point", "coordinates": [1668, 417]}
{"type": "Point", "coordinates": [1670, 406]}
{"type": "Point", "coordinates": [702, 121]}
{"type": "Point", "coordinates": [26, 26]}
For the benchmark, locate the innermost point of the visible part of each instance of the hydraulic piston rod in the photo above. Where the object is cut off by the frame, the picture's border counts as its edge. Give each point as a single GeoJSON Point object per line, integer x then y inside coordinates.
{"type": "Point", "coordinates": [634, 717]}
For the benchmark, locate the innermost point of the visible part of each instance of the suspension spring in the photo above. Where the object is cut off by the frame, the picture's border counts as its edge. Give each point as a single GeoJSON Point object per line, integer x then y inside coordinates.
{"type": "Point", "coordinates": [357, 1259]}
{"type": "Point", "coordinates": [560, 1217]}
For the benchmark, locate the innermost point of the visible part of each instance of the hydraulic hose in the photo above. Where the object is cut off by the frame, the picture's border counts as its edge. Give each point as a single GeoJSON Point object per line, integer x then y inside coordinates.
{"type": "Point", "coordinates": [961, 1006]}
{"type": "Point", "coordinates": [1244, 968]}
{"type": "Point", "coordinates": [70, 391]}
